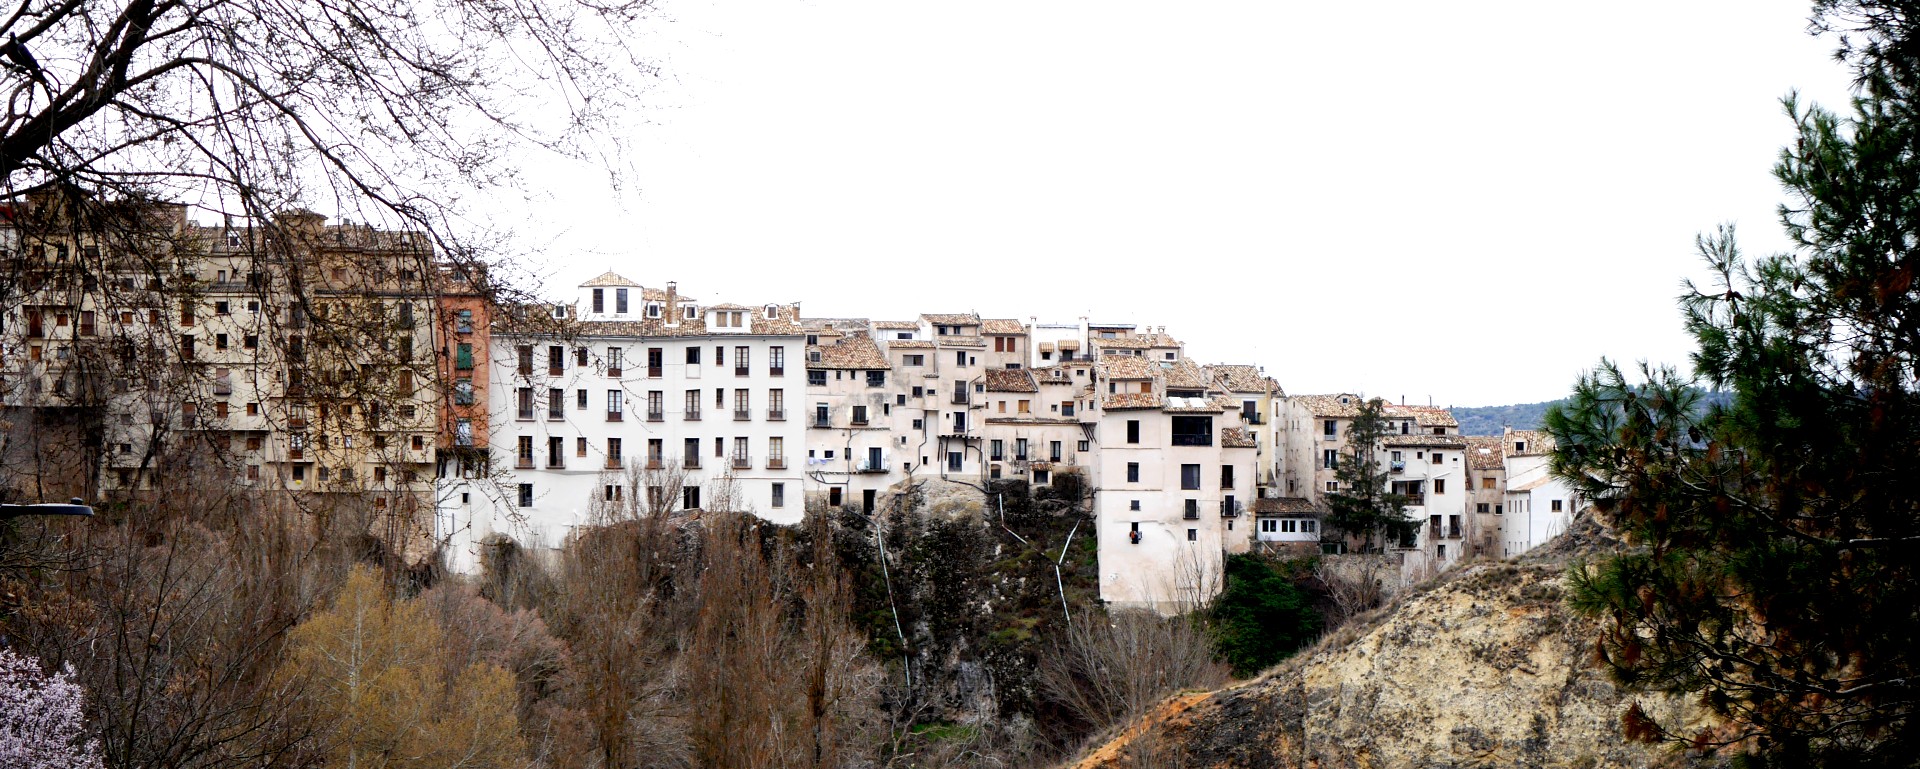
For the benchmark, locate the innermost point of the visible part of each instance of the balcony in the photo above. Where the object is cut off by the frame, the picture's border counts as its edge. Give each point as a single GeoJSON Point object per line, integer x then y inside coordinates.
{"type": "Point", "coordinates": [613, 462]}
{"type": "Point", "coordinates": [958, 399]}
{"type": "Point", "coordinates": [655, 463]}
{"type": "Point", "coordinates": [692, 462]}
{"type": "Point", "coordinates": [742, 415]}
{"type": "Point", "coordinates": [523, 463]}
{"type": "Point", "coordinates": [296, 453]}
{"type": "Point", "coordinates": [615, 416]}
{"type": "Point", "coordinates": [655, 372]}
{"type": "Point", "coordinates": [1230, 509]}
{"type": "Point", "coordinates": [656, 416]}
{"type": "Point", "coordinates": [740, 371]}
{"type": "Point", "coordinates": [859, 421]}
{"type": "Point", "coordinates": [1397, 466]}
{"type": "Point", "coordinates": [869, 466]}
{"type": "Point", "coordinates": [1416, 500]}
{"type": "Point", "coordinates": [776, 415]}
{"type": "Point", "coordinates": [823, 422]}
{"type": "Point", "coordinates": [524, 414]}
{"type": "Point", "coordinates": [555, 463]}
{"type": "Point", "coordinates": [776, 463]}
{"type": "Point", "coordinates": [775, 370]}
{"type": "Point", "coordinates": [613, 371]}
{"type": "Point", "coordinates": [1192, 439]}
{"type": "Point", "coordinates": [742, 462]}
{"type": "Point", "coordinates": [556, 370]}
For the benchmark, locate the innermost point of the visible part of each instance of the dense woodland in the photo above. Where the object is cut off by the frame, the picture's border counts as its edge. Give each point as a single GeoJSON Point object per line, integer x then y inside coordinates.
{"type": "Point", "coordinates": [210, 629]}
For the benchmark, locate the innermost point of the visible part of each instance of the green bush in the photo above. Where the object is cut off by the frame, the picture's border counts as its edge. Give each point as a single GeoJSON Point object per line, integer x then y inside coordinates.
{"type": "Point", "coordinates": [1261, 617]}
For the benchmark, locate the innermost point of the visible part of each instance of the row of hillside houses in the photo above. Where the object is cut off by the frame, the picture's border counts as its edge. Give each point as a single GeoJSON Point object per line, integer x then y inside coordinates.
{"type": "Point", "coordinates": [631, 399]}
{"type": "Point", "coordinates": [345, 366]}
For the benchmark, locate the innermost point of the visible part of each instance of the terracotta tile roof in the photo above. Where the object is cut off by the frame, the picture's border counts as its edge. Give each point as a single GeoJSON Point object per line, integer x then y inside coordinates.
{"type": "Point", "coordinates": [1125, 367]}
{"type": "Point", "coordinates": [1053, 375]}
{"type": "Point", "coordinates": [1329, 405]}
{"type": "Point", "coordinates": [786, 323]}
{"type": "Point", "coordinates": [897, 325]}
{"type": "Point", "coordinates": [1002, 326]}
{"type": "Point", "coordinates": [1119, 401]}
{"type": "Point", "coordinates": [1416, 439]}
{"type": "Point", "coordinates": [608, 278]}
{"type": "Point", "coordinates": [727, 306]}
{"type": "Point", "coordinates": [966, 319]}
{"type": "Point", "coordinates": [1430, 416]}
{"type": "Point", "coordinates": [1538, 442]}
{"type": "Point", "coordinates": [960, 341]}
{"type": "Point", "coordinates": [1483, 452]}
{"type": "Point", "coordinates": [1237, 438]}
{"type": "Point", "coordinates": [1242, 379]}
{"type": "Point", "coordinates": [909, 344]}
{"type": "Point", "coordinates": [1121, 343]}
{"type": "Point", "coordinates": [1184, 375]}
{"type": "Point", "coordinates": [1283, 506]}
{"type": "Point", "coordinates": [1010, 380]}
{"type": "Point", "coordinates": [855, 351]}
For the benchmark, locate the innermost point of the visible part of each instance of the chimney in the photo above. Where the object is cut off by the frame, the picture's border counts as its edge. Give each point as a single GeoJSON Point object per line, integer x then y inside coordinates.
{"type": "Point", "coordinates": [673, 304]}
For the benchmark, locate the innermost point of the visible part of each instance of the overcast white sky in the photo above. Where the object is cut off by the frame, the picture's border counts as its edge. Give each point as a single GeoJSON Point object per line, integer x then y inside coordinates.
{"type": "Point", "coordinates": [1468, 202]}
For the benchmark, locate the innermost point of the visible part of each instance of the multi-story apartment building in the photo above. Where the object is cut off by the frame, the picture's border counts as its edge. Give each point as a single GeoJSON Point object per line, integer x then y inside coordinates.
{"type": "Point", "coordinates": [1487, 478]}
{"type": "Point", "coordinates": [851, 446]}
{"type": "Point", "coordinates": [1171, 476]}
{"type": "Point", "coordinates": [288, 354]}
{"type": "Point", "coordinates": [1027, 437]}
{"type": "Point", "coordinates": [1539, 505]}
{"type": "Point", "coordinates": [633, 396]}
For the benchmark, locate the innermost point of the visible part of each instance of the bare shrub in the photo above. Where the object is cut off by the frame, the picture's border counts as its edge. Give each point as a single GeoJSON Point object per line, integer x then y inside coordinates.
{"type": "Point", "coordinates": [1112, 667]}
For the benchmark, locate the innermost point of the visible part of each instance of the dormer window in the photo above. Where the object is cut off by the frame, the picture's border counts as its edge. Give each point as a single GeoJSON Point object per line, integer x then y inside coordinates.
{"type": "Point", "coordinates": [619, 301]}
{"type": "Point", "coordinates": [653, 310]}
{"type": "Point", "coordinates": [772, 312]}
{"type": "Point", "coordinates": [690, 312]}
{"type": "Point", "coordinates": [813, 356]}
{"type": "Point", "coordinates": [233, 239]}
{"type": "Point", "coordinates": [560, 311]}
{"type": "Point", "coordinates": [599, 301]}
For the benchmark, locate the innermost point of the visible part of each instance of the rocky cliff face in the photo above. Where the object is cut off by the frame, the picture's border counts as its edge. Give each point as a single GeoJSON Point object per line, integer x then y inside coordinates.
{"type": "Point", "coordinates": [1485, 667]}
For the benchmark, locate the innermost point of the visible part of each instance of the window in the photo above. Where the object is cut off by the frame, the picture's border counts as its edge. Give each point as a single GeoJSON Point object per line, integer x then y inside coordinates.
{"type": "Point", "coordinates": [877, 378]}
{"type": "Point", "coordinates": [556, 360]}
{"type": "Point", "coordinates": [580, 447]}
{"type": "Point", "coordinates": [1486, 483]}
{"type": "Point", "coordinates": [1556, 505]}
{"type": "Point", "coordinates": [1329, 429]}
{"type": "Point", "coordinates": [776, 360]}
{"type": "Point", "coordinates": [741, 406]}
{"type": "Point", "coordinates": [1226, 476]}
{"type": "Point", "coordinates": [817, 377]}
{"type": "Point", "coordinates": [1053, 451]}
{"type": "Point", "coordinates": [859, 415]}
{"type": "Point", "coordinates": [613, 361]}
{"type": "Point", "coordinates": [580, 399]}
{"type": "Point", "coordinates": [525, 355]}
{"type": "Point", "coordinates": [613, 452]}
{"type": "Point", "coordinates": [776, 404]}
{"type": "Point", "coordinates": [620, 301]}
{"type": "Point", "coordinates": [656, 362]}
{"type": "Point", "coordinates": [1192, 431]}
{"type": "Point", "coordinates": [1189, 476]}
{"type": "Point", "coordinates": [463, 356]}
{"type": "Point", "coordinates": [615, 404]}
{"type": "Point", "coordinates": [526, 495]}
{"type": "Point", "coordinates": [1193, 535]}
{"type": "Point", "coordinates": [1436, 457]}
{"type": "Point", "coordinates": [1133, 505]}
{"type": "Point", "coordinates": [960, 358]}
{"type": "Point", "coordinates": [1483, 508]}
{"type": "Point", "coordinates": [1439, 485]}
{"type": "Point", "coordinates": [779, 495]}
{"type": "Point", "coordinates": [525, 453]}
{"type": "Point", "coordinates": [740, 361]}
{"type": "Point", "coordinates": [611, 493]}
{"type": "Point", "coordinates": [1269, 526]}
{"type": "Point", "coordinates": [913, 360]}
{"type": "Point", "coordinates": [1133, 472]}
{"type": "Point", "coordinates": [1086, 445]}
{"type": "Point", "coordinates": [524, 400]}
{"type": "Point", "coordinates": [1133, 431]}
{"type": "Point", "coordinates": [1020, 449]}
{"type": "Point", "coordinates": [599, 300]}
{"type": "Point", "coordinates": [653, 310]}
{"type": "Point", "coordinates": [556, 447]}
{"type": "Point", "coordinates": [1333, 486]}
{"type": "Point", "coordinates": [1329, 459]}
{"type": "Point", "coordinates": [219, 341]}
{"type": "Point", "coordinates": [556, 402]}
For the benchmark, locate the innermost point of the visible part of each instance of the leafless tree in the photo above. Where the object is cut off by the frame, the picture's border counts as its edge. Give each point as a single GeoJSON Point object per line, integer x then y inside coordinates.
{"type": "Point", "coordinates": [1115, 666]}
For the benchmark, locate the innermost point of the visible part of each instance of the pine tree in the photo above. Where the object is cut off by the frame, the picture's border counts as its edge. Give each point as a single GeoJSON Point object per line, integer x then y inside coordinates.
{"type": "Point", "coordinates": [1362, 506]}
{"type": "Point", "coordinates": [1773, 573]}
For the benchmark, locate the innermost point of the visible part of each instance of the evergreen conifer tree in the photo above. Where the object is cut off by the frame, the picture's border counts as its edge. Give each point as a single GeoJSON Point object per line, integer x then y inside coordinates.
{"type": "Point", "coordinates": [1361, 506]}
{"type": "Point", "coordinates": [1773, 569]}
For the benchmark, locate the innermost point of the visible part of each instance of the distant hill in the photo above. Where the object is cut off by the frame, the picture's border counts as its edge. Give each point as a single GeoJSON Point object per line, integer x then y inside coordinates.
{"type": "Point", "coordinates": [1487, 420]}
